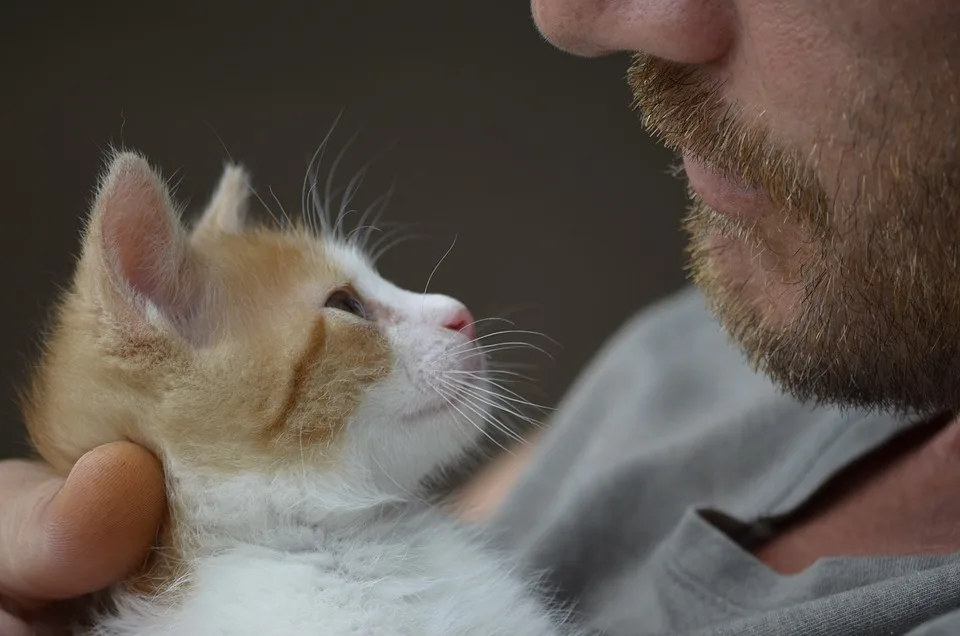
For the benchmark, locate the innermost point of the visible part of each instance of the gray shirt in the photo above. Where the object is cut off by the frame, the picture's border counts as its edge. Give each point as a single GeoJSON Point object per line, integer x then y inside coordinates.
{"type": "Point", "coordinates": [668, 447]}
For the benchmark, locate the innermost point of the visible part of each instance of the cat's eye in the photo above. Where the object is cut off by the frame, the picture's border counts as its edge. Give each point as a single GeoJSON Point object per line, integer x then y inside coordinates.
{"type": "Point", "coordinates": [346, 300]}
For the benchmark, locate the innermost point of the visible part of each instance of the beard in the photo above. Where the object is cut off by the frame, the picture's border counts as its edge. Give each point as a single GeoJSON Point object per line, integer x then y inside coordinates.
{"type": "Point", "coordinates": [848, 295]}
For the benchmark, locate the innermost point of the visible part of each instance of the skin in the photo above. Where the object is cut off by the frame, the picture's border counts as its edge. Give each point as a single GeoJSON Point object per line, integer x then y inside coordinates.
{"type": "Point", "coordinates": [63, 538]}
{"type": "Point", "coordinates": [841, 286]}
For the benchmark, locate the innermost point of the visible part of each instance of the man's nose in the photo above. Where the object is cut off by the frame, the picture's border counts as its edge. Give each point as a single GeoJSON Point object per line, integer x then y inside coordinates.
{"type": "Point", "coordinates": [686, 31]}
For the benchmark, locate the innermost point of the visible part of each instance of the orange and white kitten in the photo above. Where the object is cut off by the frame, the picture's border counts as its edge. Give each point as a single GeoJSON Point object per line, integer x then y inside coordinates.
{"type": "Point", "coordinates": [297, 400]}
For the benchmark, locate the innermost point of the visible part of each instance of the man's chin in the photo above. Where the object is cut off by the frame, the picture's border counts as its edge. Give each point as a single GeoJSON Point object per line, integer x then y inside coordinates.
{"type": "Point", "coordinates": [766, 314]}
{"type": "Point", "coordinates": [816, 354]}
{"type": "Point", "coordinates": [745, 281]}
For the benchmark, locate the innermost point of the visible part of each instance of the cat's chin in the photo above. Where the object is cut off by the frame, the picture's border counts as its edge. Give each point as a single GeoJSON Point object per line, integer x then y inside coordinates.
{"type": "Point", "coordinates": [431, 412]}
{"type": "Point", "coordinates": [449, 406]}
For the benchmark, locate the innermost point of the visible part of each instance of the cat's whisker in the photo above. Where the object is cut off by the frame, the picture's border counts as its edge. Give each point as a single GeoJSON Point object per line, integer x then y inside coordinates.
{"type": "Point", "coordinates": [376, 256]}
{"type": "Point", "coordinates": [363, 229]}
{"type": "Point", "coordinates": [518, 344]}
{"type": "Point", "coordinates": [467, 417]}
{"type": "Point", "coordinates": [338, 226]}
{"type": "Point", "coordinates": [311, 175]}
{"type": "Point", "coordinates": [357, 230]}
{"type": "Point", "coordinates": [379, 201]}
{"type": "Point", "coordinates": [502, 378]}
{"type": "Point", "coordinates": [512, 397]}
{"type": "Point", "coordinates": [318, 212]}
{"type": "Point", "coordinates": [484, 321]}
{"type": "Point", "coordinates": [498, 333]}
{"type": "Point", "coordinates": [384, 236]}
{"type": "Point", "coordinates": [314, 212]}
{"type": "Point", "coordinates": [491, 400]}
{"type": "Point", "coordinates": [487, 413]}
{"type": "Point", "coordinates": [455, 419]}
{"type": "Point", "coordinates": [504, 332]}
{"type": "Point", "coordinates": [486, 386]}
{"type": "Point", "coordinates": [533, 332]}
{"type": "Point", "coordinates": [350, 191]}
{"type": "Point", "coordinates": [492, 421]}
{"type": "Point", "coordinates": [379, 204]}
{"type": "Point", "coordinates": [508, 346]}
{"type": "Point", "coordinates": [492, 372]}
{"type": "Point", "coordinates": [277, 222]}
{"type": "Point", "coordinates": [478, 378]}
{"type": "Point", "coordinates": [498, 420]}
{"type": "Point", "coordinates": [436, 267]}
{"type": "Point", "coordinates": [516, 364]}
{"type": "Point", "coordinates": [321, 205]}
{"type": "Point", "coordinates": [475, 405]}
{"type": "Point", "coordinates": [330, 175]}
{"type": "Point", "coordinates": [280, 205]}
{"type": "Point", "coordinates": [500, 370]}
{"type": "Point", "coordinates": [212, 129]}
{"type": "Point", "coordinates": [494, 348]}
{"type": "Point", "coordinates": [375, 223]}
{"type": "Point", "coordinates": [268, 209]}
{"type": "Point", "coordinates": [511, 310]}
{"type": "Point", "coordinates": [348, 194]}
{"type": "Point", "coordinates": [509, 413]}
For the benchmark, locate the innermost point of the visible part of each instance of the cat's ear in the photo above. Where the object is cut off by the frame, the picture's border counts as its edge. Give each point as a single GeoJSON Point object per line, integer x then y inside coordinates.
{"type": "Point", "coordinates": [226, 213]}
{"type": "Point", "coordinates": [143, 267]}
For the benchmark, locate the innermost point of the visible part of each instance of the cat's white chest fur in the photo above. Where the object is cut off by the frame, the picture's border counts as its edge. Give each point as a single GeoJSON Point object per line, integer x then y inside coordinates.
{"type": "Point", "coordinates": [408, 579]}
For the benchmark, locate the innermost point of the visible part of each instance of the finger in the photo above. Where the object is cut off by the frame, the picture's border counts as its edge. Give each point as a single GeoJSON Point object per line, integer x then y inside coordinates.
{"type": "Point", "coordinates": [10, 626]}
{"type": "Point", "coordinates": [64, 538]}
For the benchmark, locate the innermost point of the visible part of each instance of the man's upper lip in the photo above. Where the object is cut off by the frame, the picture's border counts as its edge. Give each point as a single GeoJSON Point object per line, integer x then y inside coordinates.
{"type": "Point", "coordinates": [724, 194]}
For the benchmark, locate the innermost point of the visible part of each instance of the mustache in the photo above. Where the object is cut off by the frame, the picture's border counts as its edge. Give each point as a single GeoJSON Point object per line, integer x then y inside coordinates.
{"type": "Point", "coordinates": [685, 111]}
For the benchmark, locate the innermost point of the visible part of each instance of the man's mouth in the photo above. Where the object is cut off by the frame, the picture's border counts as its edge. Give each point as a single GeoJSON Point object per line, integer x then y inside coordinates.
{"type": "Point", "coordinates": [725, 194]}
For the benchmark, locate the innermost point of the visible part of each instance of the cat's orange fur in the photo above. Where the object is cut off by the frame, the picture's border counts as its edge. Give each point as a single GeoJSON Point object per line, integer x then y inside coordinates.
{"type": "Point", "coordinates": [255, 376]}
{"type": "Point", "coordinates": [242, 400]}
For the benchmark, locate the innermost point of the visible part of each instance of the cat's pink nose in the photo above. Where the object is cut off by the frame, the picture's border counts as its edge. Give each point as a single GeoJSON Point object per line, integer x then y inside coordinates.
{"type": "Point", "coordinates": [460, 319]}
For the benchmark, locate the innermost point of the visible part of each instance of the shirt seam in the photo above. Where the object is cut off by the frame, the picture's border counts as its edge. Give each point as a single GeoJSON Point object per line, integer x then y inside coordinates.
{"type": "Point", "coordinates": [797, 476]}
{"type": "Point", "coordinates": [695, 586]}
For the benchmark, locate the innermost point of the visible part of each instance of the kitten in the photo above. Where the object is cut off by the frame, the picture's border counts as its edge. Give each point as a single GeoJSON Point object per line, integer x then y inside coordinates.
{"type": "Point", "coordinates": [297, 401]}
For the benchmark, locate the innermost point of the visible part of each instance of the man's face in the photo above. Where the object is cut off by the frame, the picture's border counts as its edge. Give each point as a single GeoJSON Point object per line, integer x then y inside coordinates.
{"type": "Point", "coordinates": [820, 139]}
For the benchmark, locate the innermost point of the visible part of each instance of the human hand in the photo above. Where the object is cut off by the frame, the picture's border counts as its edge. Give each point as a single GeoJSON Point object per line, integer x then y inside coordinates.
{"type": "Point", "coordinates": [61, 539]}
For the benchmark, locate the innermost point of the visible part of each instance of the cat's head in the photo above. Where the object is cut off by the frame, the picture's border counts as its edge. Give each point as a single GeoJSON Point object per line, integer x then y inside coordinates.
{"type": "Point", "coordinates": [234, 349]}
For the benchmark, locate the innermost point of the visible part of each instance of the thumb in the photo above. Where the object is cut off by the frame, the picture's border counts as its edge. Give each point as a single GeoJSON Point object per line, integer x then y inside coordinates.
{"type": "Point", "coordinates": [64, 538]}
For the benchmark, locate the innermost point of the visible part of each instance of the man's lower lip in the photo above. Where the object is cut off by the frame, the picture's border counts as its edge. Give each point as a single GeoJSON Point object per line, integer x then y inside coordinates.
{"type": "Point", "coordinates": [723, 194]}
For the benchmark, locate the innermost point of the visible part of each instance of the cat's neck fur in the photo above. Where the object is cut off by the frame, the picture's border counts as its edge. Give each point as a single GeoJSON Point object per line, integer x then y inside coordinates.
{"type": "Point", "coordinates": [283, 511]}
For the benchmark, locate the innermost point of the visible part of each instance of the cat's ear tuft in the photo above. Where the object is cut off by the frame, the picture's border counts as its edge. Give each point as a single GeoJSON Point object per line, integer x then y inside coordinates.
{"type": "Point", "coordinates": [226, 213]}
{"type": "Point", "coordinates": [140, 249]}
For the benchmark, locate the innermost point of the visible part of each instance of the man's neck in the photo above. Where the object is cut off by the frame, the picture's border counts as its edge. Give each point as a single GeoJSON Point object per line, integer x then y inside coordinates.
{"type": "Point", "coordinates": [899, 500]}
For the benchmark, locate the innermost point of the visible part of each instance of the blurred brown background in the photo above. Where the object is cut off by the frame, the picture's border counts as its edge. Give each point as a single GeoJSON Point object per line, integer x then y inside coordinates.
{"type": "Point", "coordinates": [565, 217]}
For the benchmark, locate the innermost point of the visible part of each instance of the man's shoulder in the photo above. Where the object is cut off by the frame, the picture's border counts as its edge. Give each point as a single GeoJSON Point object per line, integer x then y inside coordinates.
{"type": "Point", "coordinates": [666, 434]}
